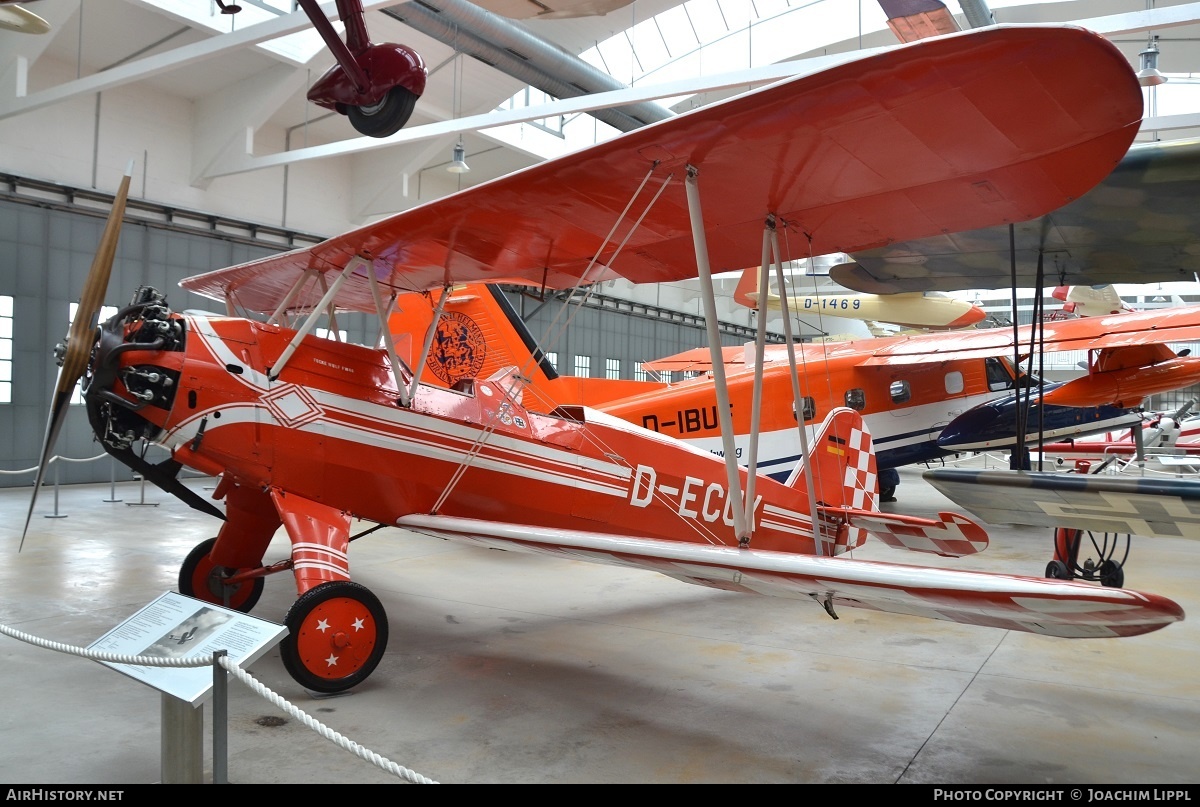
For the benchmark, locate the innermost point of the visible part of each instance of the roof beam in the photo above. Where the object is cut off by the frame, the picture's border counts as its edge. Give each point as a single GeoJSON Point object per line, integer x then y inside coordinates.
{"type": "Point", "coordinates": [236, 164]}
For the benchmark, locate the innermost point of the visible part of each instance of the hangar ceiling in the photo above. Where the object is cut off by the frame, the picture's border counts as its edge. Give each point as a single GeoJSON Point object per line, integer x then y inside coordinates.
{"type": "Point", "coordinates": [478, 60]}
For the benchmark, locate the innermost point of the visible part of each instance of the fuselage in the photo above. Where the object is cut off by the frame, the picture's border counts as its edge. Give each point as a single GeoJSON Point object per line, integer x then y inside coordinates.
{"type": "Point", "coordinates": [905, 407]}
{"type": "Point", "coordinates": [331, 429]}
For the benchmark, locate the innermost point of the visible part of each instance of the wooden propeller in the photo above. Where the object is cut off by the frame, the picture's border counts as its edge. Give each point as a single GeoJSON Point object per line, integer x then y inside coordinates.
{"type": "Point", "coordinates": [80, 337]}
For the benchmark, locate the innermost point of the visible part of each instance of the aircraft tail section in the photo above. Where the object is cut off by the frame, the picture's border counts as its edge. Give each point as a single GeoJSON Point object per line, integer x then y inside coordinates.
{"type": "Point", "coordinates": [842, 460]}
{"type": "Point", "coordinates": [842, 470]}
{"type": "Point", "coordinates": [479, 335]}
{"type": "Point", "coordinates": [845, 478]}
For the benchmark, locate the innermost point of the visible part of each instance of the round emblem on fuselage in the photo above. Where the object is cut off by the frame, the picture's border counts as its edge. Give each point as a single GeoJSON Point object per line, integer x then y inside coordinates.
{"type": "Point", "coordinates": [458, 348]}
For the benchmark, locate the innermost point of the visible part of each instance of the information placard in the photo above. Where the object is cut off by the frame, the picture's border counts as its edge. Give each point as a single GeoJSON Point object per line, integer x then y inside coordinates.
{"type": "Point", "coordinates": [175, 626]}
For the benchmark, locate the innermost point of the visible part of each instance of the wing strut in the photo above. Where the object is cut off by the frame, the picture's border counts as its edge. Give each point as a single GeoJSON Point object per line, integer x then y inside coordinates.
{"type": "Point", "coordinates": [740, 527]}
{"type": "Point", "coordinates": [300, 283]}
{"type": "Point", "coordinates": [320, 307]}
{"type": "Point", "coordinates": [333, 328]}
{"type": "Point", "coordinates": [760, 341]}
{"type": "Point", "coordinates": [386, 335]}
{"type": "Point", "coordinates": [798, 402]}
{"type": "Point", "coordinates": [433, 324]}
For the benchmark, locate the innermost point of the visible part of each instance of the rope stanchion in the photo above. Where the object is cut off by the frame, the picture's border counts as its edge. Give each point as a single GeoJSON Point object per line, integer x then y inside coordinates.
{"type": "Point", "coordinates": [223, 660]}
{"type": "Point", "coordinates": [56, 514]}
{"type": "Point", "coordinates": [112, 481]}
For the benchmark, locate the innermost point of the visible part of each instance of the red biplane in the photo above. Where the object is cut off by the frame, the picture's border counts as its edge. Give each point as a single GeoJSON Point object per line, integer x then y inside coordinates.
{"type": "Point", "coordinates": [306, 433]}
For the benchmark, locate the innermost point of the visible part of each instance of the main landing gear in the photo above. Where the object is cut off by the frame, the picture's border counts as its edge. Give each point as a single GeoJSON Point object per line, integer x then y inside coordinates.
{"type": "Point", "coordinates": [337, 633]}
{"type": "Point", "coordinates": [1104, 568]}
{"type": "Point", "coordinates": [337, 630]}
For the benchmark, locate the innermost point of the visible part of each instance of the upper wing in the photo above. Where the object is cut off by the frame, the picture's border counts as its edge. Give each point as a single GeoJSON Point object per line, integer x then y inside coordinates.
{"type": "Point", "coordinates": [958, 132]}
{"type": "Point", "coordinates": [1137, 226]}
{"type": "Point", "coordinates": [1143, 335]}
{"type": "Point", "coordinates": [1114, 333]}
{"type": "Point", "coordinates": [1052, 608]}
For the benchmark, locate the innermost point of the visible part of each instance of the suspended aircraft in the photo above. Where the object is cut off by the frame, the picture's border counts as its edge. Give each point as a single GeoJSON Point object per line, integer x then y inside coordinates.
{"type": "Point", "coordinates": [15, 17]}
{"type": "Point", "coordinates": [930, 312]}
{"type": "Point", "coordinates": [308, 434]}
{"type": "Point", "coordinates": [375, 85]}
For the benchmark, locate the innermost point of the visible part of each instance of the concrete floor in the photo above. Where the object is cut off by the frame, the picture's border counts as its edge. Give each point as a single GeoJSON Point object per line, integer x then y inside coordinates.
{"type": "Point", "coordinates": [508, 668]}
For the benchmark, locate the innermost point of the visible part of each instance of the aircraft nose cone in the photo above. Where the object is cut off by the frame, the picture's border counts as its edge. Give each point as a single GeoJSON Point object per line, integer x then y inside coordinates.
{"type": "Point", "coordinates": [975, 428]}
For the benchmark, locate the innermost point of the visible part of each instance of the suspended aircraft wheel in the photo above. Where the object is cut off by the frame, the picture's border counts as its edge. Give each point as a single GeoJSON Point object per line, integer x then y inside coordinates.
{"type": "Point", "coordinates": [337, 633]}
{"type": "Point", "coordinates": [386, 117]}
{"type": "Point", "coordinates": [199, 577]}
{"type": "Point", "coordinates": [1111, 574]}
{"type": "Point", "coordinates": [1057, 570]}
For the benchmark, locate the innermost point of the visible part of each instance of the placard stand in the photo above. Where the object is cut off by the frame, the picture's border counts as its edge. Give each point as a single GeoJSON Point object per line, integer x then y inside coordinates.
{"type": "Point", "coordinates": [175, 626]}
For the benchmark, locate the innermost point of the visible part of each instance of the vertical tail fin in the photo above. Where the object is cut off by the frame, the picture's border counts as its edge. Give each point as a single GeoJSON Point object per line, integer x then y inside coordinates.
{"type": "Point", "coordinates": [479, 335]}
{"type": "Point", "coordinates": [844, 473]}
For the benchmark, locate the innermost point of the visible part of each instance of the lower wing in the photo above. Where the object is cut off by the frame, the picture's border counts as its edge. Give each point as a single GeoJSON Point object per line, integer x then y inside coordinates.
{"type": "Point", "coordinates": [1033, 605]}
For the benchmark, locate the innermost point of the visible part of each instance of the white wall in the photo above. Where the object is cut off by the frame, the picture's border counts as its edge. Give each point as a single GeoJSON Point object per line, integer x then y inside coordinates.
{"type": "Point", "coordinates": [62, 143]}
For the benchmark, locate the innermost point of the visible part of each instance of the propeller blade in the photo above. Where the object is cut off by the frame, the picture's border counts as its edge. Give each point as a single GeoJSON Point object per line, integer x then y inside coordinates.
{"type": "Point", "coordinates": [80, 337]}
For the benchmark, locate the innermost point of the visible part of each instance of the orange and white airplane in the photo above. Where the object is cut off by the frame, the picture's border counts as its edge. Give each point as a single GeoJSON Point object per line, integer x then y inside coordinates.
{"type": "Point", "coordinates": [908, 408]}
{"type": "Point", "coordinates": [308, 434]}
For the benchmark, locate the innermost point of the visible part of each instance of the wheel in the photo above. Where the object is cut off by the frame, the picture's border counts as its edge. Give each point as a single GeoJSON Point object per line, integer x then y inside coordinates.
{"type": "Point", "coordinates": [337, 633]}
{"type": "Point", "coordinates": [887, 493]}
{"type": "Point", "coordinates": [1112, 574]}
{"type": "Point", "coordinates": [199, 577]}
{"type": "Point", "coordinates": [385, 118]}
{"type": "Point", "coordinates": [1057, 570]}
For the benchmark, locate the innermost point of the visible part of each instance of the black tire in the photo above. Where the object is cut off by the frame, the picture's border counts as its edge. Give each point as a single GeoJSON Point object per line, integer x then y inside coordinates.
{"type": "Point", "coordinates": [199, 577]}
{"type": "Point", "coordinates": [326, 649]}
{"type": "Point", "coordinates": [385, 118]}
{"type": "Point", "coordinates": [887, 493]}
{"type": "Point", "coordinates": [1057, 570]}
{"type": "Point", "coordinates": [1111, 574]}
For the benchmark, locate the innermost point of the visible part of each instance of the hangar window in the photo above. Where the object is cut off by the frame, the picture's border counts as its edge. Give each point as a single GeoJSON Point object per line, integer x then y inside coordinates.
{"type": "Point", "coordinates": [583, 366]}
{"type": "Point", "coordinates": [106, 311]}
{"type": "Point", "coordinates": [998, 375]}
{"type": "Point", "coordinates": [856, 399]}
{"type": "Point", "coordinates": [552, 357]}
{"type": "Point", "coordinates": [6, 348]}
{"type": "Point", "coordinates": [639, 373]}
{"type": "Point", "coordinates": [612, 368]}
{"type": "Point", "coordinates": [900, 392]}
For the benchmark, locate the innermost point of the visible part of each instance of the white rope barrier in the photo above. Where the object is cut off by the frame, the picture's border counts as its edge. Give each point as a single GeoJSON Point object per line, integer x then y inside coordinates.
{"type": "Point", "coordinates": [230, 666]}
{"type": "Point", "coordinates": [349, 745]}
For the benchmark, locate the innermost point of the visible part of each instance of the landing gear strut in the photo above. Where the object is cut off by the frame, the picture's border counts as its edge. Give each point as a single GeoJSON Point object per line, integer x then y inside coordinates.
{"type": "Point", "coordinates": [199, 577]}
{"type": "Point", "coordinates": [1104, 568]}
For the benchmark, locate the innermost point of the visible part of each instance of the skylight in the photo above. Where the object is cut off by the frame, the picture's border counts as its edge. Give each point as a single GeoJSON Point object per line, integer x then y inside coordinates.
{"type": "Point", "coordinates": [298, 48]}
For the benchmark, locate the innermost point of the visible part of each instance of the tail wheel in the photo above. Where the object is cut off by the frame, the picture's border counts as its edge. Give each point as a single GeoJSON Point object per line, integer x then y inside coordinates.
{"type": "Point", "coordinates": [1111, 574]}
{"type": "Point", "coordinates": [199, 577]}
{"type": "Point", "coordinates": [337, 633]}
{"type": "Point", "coordinates": [386, 117]}
{"type": "Point", "coordinates": [1057, 570]}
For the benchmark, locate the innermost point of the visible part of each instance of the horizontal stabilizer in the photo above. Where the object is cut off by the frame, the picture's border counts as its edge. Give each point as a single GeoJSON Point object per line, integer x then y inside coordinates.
{"type": "Point", "coordinates": [1121, 505]}
{"type": "Point", "coordinates": [953, 536]}
{"type": "Point", "coordinates": [1066, 609]}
